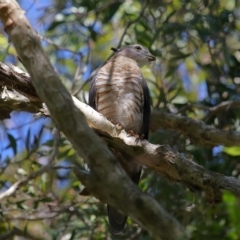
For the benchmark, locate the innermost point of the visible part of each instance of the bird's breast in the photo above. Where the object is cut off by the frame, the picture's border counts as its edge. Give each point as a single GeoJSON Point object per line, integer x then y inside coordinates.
{"type": "Point", "coordinates": [119, 96]}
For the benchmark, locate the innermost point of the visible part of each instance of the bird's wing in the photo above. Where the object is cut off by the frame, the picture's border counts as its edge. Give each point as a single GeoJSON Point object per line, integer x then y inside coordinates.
{"type": "Point", "coordinates": [146, 109]}
{"type": "Point", "coordinates": [92, 94]}
{"type": "Point", "coordinates": [116, 219]}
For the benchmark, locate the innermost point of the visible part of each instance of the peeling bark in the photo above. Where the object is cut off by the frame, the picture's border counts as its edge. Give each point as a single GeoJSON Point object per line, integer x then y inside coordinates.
{"type": "Point", "coordinates": [163, 159]}
{"type": "Point", "coordinates": [106, 180]}
{"type": "Point", "coordinates": [20, 95]}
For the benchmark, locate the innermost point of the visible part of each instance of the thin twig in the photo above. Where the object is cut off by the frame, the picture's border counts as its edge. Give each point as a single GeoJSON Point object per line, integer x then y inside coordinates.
{"type": "Point", "coordinates": [10, 191]}
{"type": "Point", "coordinates": [132, 22]}
{"type": "Point", "coordinates": [57, 46]}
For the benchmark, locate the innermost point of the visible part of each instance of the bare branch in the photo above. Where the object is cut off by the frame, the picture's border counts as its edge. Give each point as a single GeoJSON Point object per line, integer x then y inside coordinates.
{"type": "Point", "coordinates": [14, 78]}
{"type": "Point", "coordinates": [160, 158]}
{"type": "Point", "coordinates": [104, 170]}
{"type": "Point", "coordinates": [59, 47]}
{"type": "Point", "coordinates": [197, 131]}
{"type": "Point", "coordinates": [11, 100]}
{"type": "Point", "coordinates": [222, 107]}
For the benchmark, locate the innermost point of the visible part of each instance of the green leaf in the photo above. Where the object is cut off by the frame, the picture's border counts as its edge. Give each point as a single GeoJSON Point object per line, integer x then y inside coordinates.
{"type": "Point", "coordinates": [111, 11]}
{"type": "Point", "coordinates": [233, 151]}
{"type": "Point", "coordinates": [12, 144]}
{"type": "Point", "coordinates": [232, 205]}
{"type": "Point", "coordinates": [19, 204]}
{"type": "Point", "coordinates": [27, 141]}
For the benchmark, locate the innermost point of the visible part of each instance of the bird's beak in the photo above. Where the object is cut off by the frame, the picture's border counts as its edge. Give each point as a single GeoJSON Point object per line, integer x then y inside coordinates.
{"type": "Point", "coordinates": [151, 58]}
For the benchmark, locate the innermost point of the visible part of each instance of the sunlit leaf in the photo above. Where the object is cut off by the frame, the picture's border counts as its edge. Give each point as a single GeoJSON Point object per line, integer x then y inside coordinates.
{"type": "Point", "coordinates": [233, 151]}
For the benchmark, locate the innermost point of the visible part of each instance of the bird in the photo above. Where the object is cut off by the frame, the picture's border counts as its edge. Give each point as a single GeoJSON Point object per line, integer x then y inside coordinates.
{"type": "Point", "coordinates": [120, 93]}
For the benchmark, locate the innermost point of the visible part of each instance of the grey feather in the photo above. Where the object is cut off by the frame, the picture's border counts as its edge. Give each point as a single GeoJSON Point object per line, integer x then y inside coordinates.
{"type": "Point", "coordinates": [120, 92]}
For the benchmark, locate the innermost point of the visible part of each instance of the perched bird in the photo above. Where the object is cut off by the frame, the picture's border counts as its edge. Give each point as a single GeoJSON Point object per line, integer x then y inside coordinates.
{"type": "Point", "coordinates": [120, 93]}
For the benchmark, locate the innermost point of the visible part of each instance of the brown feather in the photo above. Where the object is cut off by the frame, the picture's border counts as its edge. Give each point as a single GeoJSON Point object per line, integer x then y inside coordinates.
{"type": "Point", "coordinates": [120, 93]}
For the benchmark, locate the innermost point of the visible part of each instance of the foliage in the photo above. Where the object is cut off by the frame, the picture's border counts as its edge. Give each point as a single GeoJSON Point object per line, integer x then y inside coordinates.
{"type": "Point", "coordinates": [197, 46]}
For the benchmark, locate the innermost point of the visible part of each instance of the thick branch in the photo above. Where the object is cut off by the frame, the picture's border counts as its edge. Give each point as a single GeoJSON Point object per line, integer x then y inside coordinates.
{"type": "Point", "coordinates": [104, 170]}
{"type": "Point", "coordinates": [11, 100]}
{"type": "Point", "coordinates": [197, 131]}
{"type": "Point", "coordinates": [161, 158]}
{"type": "Point", "coordinates": [14, 78]}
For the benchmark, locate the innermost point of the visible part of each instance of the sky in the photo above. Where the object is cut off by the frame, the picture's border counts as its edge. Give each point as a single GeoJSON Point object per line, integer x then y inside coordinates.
{"type": "Point", "coordinates": [34, 9]}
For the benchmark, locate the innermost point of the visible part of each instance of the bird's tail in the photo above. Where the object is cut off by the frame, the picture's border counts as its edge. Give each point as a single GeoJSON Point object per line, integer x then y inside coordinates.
{"type": "Point", "coordinates": [116, 220]}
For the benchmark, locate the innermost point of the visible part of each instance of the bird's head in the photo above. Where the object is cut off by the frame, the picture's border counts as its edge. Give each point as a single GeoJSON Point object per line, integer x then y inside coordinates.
{"type": "Point", "coordinates": [136, 52]}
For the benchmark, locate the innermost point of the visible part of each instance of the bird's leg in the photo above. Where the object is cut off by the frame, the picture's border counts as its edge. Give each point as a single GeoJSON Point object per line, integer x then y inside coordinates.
{"type": "Point", "coordinates": [138, 138]}
{"type": "Point", "coordinates": [131, 133]}
{"type": "Point", "coordinates": [119, 126]}
{"type": "Point", "coordinates": [142, 137]}
{"type": "Point", "coordinates": [112, 121]}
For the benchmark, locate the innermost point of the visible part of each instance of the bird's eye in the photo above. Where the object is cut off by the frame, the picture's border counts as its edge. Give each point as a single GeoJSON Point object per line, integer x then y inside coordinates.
{"type": "Point", "coordinates": [138, 48]}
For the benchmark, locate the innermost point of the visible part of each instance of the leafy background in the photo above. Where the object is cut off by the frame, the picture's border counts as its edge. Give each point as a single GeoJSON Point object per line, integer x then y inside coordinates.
{"type": "Point", "coordinates": [197, 48]}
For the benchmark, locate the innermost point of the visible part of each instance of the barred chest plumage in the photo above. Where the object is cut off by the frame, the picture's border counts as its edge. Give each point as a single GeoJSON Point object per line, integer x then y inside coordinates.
{"type": "Point", "coordinates": [119, 94]}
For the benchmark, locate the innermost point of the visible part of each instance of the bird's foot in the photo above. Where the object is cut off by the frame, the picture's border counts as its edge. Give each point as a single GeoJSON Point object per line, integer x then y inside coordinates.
{"type": "Point", "coordinates": [142, 137]}
{"type": "Point", "coordinates": [138, 138]}
{"type": "Point", "coordinates": [131, 133]}
{"type": "Point", "coordinates": [119, 126]}
{"type": "Point", "coordinates": [111, 120]}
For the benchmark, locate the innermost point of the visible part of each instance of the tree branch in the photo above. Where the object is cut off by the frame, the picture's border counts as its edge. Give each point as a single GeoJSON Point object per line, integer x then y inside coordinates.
{"type": "Point", "coordinates": [104, 170]}
{"type": "Point", "coordinates": [197, 131]}
{"type": "Point", "coordinates": [14, 78]}
{"type": "Point", "coordinates": [162, 158]}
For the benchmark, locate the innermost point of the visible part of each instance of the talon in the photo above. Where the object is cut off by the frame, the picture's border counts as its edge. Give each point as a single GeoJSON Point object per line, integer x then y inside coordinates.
{"type": "Point", "coordinates": [138, 139]}
{"type": "Point", "coordinates": [131, 133]}
{"type": "Point", "coordinates": [142, 137]}
{"type": "Point", "coordinates": [119, 126]}
{"type": "Point", "coordinates": [111, 120]}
